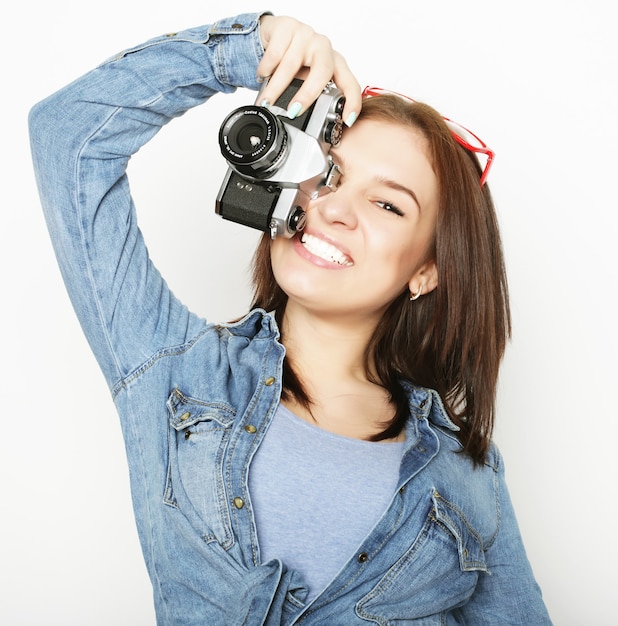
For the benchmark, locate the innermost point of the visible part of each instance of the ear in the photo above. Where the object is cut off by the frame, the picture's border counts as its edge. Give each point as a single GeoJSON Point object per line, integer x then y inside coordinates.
{"type": "Point", "coordinates": [425, 278]}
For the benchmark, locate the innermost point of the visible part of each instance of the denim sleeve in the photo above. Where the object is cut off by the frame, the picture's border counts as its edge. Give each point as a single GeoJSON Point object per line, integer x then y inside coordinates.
{"type": "Point", "coordinates": [81, 140]}
{"type": "Point", "coordinates": [509, 594]}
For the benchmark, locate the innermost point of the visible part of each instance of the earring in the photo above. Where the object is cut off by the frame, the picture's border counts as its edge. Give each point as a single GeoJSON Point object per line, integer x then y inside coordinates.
{"type": "Point", "coordinates": [417, 295]}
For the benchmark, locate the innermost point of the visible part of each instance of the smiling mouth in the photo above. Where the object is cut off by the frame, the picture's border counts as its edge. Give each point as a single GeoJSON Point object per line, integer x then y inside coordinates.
{"type": "Point", "coordinates": [324, 250]}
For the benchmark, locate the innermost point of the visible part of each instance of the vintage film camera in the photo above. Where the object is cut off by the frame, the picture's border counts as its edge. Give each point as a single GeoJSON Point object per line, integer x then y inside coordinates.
{"type": "Point", "coordinates": [277, 164]}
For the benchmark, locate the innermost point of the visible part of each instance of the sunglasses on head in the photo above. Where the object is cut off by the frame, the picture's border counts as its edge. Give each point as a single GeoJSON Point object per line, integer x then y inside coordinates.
{"type": "Point", "coordinates": [461, 134]}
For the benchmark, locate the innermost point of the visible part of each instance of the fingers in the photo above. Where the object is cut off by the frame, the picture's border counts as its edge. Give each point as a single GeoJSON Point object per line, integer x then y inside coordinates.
{"type": "Point", "coordinates": [295, 49]}
{"type": "Point", "coordinates": [346, 81]}
{"type": "Point", "coordinates": [283, 39]}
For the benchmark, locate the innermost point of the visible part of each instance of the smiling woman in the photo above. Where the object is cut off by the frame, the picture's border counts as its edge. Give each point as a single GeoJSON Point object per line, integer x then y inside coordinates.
{"type": "Point", "coordinates": [328, 457]}
{"type": "Point", "coordinates": [408, 205]}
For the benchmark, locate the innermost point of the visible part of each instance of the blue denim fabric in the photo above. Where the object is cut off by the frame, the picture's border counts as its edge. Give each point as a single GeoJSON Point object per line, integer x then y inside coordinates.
{"type": "Point", "coordinates": [195, 399]}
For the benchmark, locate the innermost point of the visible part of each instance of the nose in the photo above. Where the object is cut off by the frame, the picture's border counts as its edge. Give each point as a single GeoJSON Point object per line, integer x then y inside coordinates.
{"type": "Point", "coordinates": [336, 207]}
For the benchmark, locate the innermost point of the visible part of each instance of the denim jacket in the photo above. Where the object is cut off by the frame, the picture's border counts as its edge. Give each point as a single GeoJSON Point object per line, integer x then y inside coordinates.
{"type": "Point", "coordinates": [195, 399]}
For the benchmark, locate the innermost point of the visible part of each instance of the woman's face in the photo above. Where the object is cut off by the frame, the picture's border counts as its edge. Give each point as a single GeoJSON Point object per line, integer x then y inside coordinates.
{"type": "Point", "coordinates": [370, 240]}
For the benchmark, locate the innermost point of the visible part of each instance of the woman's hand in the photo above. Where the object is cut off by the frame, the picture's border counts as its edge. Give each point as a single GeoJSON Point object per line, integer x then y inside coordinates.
{"type": "Point", "coordinates": [292, 48]}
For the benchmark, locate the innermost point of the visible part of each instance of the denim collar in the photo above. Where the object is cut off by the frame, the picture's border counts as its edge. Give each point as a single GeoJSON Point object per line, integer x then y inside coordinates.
{"type": "Point", "coordinates": [424, 403]}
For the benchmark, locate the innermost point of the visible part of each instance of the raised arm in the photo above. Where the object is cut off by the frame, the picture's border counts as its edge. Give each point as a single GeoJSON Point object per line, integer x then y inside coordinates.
{"type": "Point", "coordinates": [83, 136]}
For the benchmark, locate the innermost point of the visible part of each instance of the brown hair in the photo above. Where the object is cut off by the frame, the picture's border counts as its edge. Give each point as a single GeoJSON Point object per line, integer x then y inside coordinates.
{"type": "Point", "coordinates": [452, 339]}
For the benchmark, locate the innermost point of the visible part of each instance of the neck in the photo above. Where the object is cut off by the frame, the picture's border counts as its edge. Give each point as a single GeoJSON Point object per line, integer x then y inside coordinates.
{"type": "Point", "coordinates": [323, 343]}
{"type": "Point", "coordinates": [328, 354]}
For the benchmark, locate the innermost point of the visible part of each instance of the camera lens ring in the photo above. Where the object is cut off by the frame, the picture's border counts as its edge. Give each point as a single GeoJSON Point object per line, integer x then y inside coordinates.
{"type": "Point", "coordinates": [253, 140]}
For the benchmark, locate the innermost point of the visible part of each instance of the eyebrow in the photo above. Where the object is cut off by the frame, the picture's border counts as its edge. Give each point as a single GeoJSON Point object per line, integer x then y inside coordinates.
{"type": "Point", "coordinates": [398, 187]}
{"type": "Point", "coordinates": [382, 180]}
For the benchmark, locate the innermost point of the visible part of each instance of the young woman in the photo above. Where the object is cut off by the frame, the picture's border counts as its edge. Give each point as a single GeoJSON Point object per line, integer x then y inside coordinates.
{"type": "Point", "coordinates": [328, 458]}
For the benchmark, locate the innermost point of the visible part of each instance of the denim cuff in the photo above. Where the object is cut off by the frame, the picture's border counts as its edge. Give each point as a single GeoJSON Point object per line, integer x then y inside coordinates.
{"type": "Point", "coordinates": [237, 67]}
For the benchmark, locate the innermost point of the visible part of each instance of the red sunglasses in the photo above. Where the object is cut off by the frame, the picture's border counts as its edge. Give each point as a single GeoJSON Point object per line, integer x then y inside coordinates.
{"type": "Point", "coordinates": [461, 134]}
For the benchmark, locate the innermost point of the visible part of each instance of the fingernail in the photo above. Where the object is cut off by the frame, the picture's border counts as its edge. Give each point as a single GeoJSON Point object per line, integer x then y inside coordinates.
{"type": "Point", "coordinates": [265, 103]}
{"type": "Point", "coordinates": [259, 79]}
{"type": "Point", "coordinates": [350, 119]}
{"type": "Point", "coordinates": [294, 109]}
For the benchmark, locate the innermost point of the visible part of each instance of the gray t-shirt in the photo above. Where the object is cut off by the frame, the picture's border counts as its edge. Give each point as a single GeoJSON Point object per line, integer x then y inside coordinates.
{"type": "Point", "coordinates": [317, 495]}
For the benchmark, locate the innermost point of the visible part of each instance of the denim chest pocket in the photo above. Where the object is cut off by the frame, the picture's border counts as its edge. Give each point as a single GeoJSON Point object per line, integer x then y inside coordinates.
{"type": "Point", "coordinates": [197, 437]}
{"type": "Point", "coordinates": [437, 572]}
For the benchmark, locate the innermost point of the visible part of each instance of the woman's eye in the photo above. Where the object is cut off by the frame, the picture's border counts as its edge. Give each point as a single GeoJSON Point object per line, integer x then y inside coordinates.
{"type": "Point", "coordinates": [387, 206]}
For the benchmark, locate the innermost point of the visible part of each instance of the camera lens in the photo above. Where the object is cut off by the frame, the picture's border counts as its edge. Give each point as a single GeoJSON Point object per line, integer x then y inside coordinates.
{"type": "Point", "coordinates": [253, 140]}
{"type": "Point", "coordinates": [248, 138]}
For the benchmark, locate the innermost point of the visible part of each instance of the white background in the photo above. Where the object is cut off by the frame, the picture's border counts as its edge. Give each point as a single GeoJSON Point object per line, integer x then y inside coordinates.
{"type": "Point", "coordinates": [537, 80]}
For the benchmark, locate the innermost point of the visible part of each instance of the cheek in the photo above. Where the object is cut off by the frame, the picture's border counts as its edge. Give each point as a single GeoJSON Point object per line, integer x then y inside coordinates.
{"type": "Point", "coordinates": [401, 263]}
{"type": "Point", "coordinates": [280, 249]}
{"type": "Point", "coordinates": [398, 250]}
{"type": "Point", "coordinates": [281, 260]}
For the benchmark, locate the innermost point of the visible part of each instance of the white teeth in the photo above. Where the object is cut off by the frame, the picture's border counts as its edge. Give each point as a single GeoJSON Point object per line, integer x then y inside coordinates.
{"type": "Point", "coordinates": [324, 250]}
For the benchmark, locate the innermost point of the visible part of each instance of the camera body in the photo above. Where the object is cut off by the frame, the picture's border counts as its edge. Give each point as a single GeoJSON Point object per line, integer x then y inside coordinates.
{"type": "Point", "coordinates": [277, 164]}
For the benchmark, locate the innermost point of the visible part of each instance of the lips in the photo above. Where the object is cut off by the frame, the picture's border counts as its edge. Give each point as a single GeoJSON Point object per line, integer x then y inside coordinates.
{"type": "Point", "coordinates": [324, 250]}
